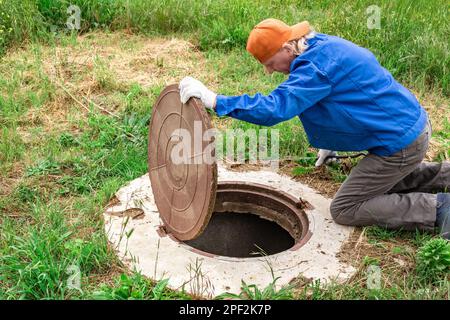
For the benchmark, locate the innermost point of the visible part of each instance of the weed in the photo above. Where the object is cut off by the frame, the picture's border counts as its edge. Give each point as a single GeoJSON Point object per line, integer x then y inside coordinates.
{"type": "Point", "coordinates": [369, 261]}
{"type": "Point", "coordinates": [252, 292]}
{"type": "Point", "coordinates": [44, 167]}
{"type": "Point", "coordinates": [379, 233]}
{"type": "Point", "coordinates": [137, 287]}
{"type": "Point", "coordinates": [67, 140]}
{"type": "Point", "coordinates": [11, 146]}
{"type": "Point", "coordinates": [433, 259]}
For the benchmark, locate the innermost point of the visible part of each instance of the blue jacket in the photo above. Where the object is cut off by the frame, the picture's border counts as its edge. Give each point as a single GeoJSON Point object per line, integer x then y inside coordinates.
{"type": "Point", "coordinates": [345, 99]}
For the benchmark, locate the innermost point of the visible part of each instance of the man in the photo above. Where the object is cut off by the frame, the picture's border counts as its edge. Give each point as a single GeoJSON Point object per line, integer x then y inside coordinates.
{"type": "Point", "coordinates": [347, 102]}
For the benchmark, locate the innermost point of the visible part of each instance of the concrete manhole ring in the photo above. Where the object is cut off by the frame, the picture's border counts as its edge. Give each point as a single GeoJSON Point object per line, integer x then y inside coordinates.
{"type": "Point", "coordinates": [317, 239]}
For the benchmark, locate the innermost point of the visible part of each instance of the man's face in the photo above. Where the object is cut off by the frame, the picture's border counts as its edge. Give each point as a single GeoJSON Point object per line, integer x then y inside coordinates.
{"type": "Point", "coordinates": [280, 62]}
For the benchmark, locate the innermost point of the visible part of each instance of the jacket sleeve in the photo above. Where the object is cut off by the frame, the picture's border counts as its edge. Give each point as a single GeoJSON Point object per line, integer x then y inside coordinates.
{"type": "Point", "coordinates": [305, 86]}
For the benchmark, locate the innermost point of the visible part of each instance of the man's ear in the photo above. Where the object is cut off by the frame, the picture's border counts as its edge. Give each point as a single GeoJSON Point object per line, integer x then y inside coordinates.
{"type": "Point", "coordinates": [287, 49]}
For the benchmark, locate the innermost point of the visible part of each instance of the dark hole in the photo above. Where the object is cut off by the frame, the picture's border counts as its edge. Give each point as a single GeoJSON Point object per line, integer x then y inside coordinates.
{"type": "Point", "coordinates": [242, 235]}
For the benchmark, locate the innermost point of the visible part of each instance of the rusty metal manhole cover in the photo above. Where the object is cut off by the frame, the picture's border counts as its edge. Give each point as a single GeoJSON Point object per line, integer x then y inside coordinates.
{"type": "Point", "coordinates": [185, 191]}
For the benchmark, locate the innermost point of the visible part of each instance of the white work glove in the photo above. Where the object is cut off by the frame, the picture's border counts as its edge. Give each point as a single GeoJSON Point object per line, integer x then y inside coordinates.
{"type": "Point", "coordinates": [322, 154]}
{"type": "Point", "coordinates": [190, 87]}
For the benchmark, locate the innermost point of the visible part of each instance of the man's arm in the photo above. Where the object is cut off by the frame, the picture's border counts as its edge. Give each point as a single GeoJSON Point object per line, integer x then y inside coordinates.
{"type": "Point", "coordinates": [305, 86]}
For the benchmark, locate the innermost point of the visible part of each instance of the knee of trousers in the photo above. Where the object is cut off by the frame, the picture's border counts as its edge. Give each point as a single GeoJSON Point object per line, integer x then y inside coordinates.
{"type": "Point", "coordinates": [338, 211]}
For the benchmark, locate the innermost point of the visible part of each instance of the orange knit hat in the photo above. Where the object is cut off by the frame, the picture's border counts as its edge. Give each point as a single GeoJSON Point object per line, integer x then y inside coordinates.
{"type": "Point", "coordinates": [268, 36]}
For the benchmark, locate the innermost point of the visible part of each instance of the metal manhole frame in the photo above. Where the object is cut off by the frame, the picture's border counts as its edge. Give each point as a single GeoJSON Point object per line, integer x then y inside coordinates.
{"type": "Point", "coordinates": [297, 206]}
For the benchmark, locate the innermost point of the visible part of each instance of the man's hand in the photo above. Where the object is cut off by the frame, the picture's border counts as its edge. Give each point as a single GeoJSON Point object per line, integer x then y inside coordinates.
{"type": "Point", "coordinates": [323, 154]}
{"type": "Point", "coordinates": [190, 87]}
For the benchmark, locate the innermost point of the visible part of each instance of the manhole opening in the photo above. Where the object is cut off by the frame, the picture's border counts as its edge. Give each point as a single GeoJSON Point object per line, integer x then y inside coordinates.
{"type": "Point", "coordinates": [252, 220]}
{"type": "Point", "coordinates": [242, 235]}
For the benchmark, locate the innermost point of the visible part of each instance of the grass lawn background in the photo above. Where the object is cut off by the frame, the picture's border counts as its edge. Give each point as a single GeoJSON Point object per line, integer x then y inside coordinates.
{"type": "Point", "coordinates": [74, 114]}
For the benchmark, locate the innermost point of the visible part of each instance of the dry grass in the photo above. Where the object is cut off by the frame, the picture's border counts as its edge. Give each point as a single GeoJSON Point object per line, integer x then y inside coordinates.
{"type": "Point", "coordinates": [99, 65]}
{"type": "Point", "coordinates": [439, 112]}
{"type": "Point", "coordinates": [77, 73]}
{"type": "Point", "coordinates": [148, 65]}
{"type": "Point", "coordinates": [358, 247]}
{"type": "Point", "coordinates": [95, 67]}
{"type": "Point", "coordinates": [320, 179]}
{"type": "Point", "coordinates": [125, 59]}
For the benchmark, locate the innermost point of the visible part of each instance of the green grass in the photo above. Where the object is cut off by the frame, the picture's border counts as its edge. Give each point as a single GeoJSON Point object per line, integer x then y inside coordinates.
{"type": "Point", "coordinates": [34, 263]}
{"type": "Point", "coordinates": [252, 292]}
{"type": "Point", "coordinates": [137, 287]}
{"type": "Point", "coordinates": [411, 42]}
{"type": "Point", "coordinates": [50, 220]}
{"type": "Point", "coordinates": [58, 172]}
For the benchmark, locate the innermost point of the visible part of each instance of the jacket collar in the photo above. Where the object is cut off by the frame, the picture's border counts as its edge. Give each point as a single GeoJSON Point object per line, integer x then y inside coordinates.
{"type": "Point", "coordinates": [311, 43]}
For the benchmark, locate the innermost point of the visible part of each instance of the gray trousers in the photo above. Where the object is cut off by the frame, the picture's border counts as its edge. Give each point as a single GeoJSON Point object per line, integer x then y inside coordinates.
{"type": "Point", "coordinates": [395, 191]}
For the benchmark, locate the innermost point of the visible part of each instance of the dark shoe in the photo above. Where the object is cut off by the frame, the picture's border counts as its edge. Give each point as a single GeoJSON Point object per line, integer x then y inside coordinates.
{"type": "Point", "coordinates": [443, 215]}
